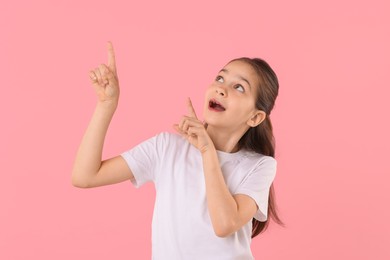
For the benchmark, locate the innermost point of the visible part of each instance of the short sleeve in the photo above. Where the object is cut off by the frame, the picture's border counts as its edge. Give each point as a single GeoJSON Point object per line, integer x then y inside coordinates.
{"type": "Point", "coordinates": [257, 185]}
{"type": "Point", "coordinates": [144, 158]}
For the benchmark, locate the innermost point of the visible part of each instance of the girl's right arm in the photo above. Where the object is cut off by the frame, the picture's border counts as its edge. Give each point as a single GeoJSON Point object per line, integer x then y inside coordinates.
{"type": "Point", "coordinates": [89, 170]}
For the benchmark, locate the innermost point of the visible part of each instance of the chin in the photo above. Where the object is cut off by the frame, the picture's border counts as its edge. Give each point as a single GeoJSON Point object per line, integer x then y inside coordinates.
{"type": "Point", "coordinates": [215, 122]}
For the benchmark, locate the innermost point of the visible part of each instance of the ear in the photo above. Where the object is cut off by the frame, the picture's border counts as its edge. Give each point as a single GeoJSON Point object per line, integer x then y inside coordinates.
{"type": "Point", "coordinates": [256, 118]}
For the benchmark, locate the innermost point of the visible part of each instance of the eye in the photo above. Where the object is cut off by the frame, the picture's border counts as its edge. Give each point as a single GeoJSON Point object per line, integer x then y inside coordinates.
{"type": "Point", "coordinates": [239, 88]}
{"type": "Point", "coordinates": [219, 79]}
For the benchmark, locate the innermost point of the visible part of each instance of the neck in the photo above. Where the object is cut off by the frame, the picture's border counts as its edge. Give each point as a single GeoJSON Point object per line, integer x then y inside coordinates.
{"type": "Point", "coordinates": [225, 140]}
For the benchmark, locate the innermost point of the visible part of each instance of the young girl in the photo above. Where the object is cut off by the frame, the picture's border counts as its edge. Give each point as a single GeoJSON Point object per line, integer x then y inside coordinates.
{"type": "Point", "coordinates": [213, 180]}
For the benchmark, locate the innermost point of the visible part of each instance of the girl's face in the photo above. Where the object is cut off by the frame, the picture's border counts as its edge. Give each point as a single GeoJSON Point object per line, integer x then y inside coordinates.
{"type": "Point", "coordinates": [230, 99]}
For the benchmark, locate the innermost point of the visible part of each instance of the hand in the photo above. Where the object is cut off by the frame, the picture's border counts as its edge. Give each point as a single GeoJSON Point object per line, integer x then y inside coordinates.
{"type": "Point", "coordinates": [105, 79]}
{"type": "Point", "coordinates": [194, 130]}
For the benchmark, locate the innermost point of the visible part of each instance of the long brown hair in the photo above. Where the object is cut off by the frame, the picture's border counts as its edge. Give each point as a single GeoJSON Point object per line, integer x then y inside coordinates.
{"type": "Point", "coordinates": [260, 139]}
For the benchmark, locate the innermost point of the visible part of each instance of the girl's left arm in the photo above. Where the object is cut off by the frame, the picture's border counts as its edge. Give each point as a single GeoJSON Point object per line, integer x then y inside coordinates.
{"type": "Point", "coordinates": [228, 212]}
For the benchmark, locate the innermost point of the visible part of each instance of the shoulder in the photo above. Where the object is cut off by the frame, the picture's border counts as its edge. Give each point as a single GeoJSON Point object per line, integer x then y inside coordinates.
{"type": "Point", "coordinates": [258, 157]}
{"type": "Point", "coordinates": [261, 161]}
{"type": "Point", "coordinates": [158, 142]}
{"type": "Point", "coordinates": [169, 141]}
{"type": "Point", "coordinates": [168, 137]}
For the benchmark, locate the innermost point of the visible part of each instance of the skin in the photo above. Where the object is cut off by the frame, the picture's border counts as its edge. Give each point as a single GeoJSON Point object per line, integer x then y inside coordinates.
{"type": "Point", "coordinates": [224, 129]}
{"type": "Point", "coordinates": [228, 212]}
{"type": "Point", "coordinates": [238, 97]}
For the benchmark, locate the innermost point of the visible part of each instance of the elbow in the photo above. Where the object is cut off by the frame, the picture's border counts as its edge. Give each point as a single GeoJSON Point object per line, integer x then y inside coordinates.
{"type": "Point", "coordinates": [78, 183]}
{"type": "Point", "coordinates": [221, 234]}
{"type": "Point", "coordinates": [223, 230]}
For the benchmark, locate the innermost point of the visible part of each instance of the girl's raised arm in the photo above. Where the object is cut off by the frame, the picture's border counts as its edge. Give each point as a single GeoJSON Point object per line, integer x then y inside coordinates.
{"type": "Point", "coordinates": [89, 170]}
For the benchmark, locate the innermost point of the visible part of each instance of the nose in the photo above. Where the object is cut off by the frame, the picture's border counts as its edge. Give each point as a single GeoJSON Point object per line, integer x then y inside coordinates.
{"type": "Point", "coordinates": [221, 91]}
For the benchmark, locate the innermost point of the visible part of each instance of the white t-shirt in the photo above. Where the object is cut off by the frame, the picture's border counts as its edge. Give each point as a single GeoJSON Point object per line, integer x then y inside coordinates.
{"type": "Point", "coordinates": [181, 226]}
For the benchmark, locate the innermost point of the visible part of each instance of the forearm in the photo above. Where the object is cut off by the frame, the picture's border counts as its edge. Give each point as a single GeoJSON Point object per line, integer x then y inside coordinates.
{"type": "Point", "coordinates": [89, 155]}
{"type": "Point", "coordinates": [221, 204]}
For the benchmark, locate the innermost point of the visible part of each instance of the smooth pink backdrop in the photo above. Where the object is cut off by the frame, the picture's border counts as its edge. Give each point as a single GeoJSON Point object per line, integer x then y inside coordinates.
{"type": "Point", "coordinates": [331, 118]}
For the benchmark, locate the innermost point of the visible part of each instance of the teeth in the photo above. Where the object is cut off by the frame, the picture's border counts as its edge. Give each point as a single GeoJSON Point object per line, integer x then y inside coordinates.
{"type": "Point", "coordinates": [215, 104]}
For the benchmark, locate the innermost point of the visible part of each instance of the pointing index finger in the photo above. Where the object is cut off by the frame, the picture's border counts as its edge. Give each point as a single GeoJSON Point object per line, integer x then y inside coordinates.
{"type": "Point", "coordinates": [111, 57]}
{"type": "Point", "coordinates": [191, 110]}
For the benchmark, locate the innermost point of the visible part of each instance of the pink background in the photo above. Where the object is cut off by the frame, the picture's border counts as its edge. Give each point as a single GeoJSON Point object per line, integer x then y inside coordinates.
{"type": "Point", "coordinates": [331, 118]}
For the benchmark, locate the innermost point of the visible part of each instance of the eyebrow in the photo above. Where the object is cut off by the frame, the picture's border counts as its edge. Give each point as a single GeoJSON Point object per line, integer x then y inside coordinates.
{"type": "Point", "coordinates": [242, 78]}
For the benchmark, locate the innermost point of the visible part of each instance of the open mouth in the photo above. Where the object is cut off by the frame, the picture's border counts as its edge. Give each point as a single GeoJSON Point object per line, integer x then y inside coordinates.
{"type": "Point", "coordinates": [215, 105]}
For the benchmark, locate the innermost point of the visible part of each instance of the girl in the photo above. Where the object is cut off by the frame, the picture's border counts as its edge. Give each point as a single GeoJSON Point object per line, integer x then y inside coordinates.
{"type": "Point", "coordinates": [214, 186]}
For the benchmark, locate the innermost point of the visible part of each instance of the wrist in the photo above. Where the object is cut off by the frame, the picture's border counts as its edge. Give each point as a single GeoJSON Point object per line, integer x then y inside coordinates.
{"type": "Point", "coordinates": [208, 149]}
{"type": "Point", "coordinates": [106, 109]}
{"type": "Point", "coordinates": [109, 106]}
